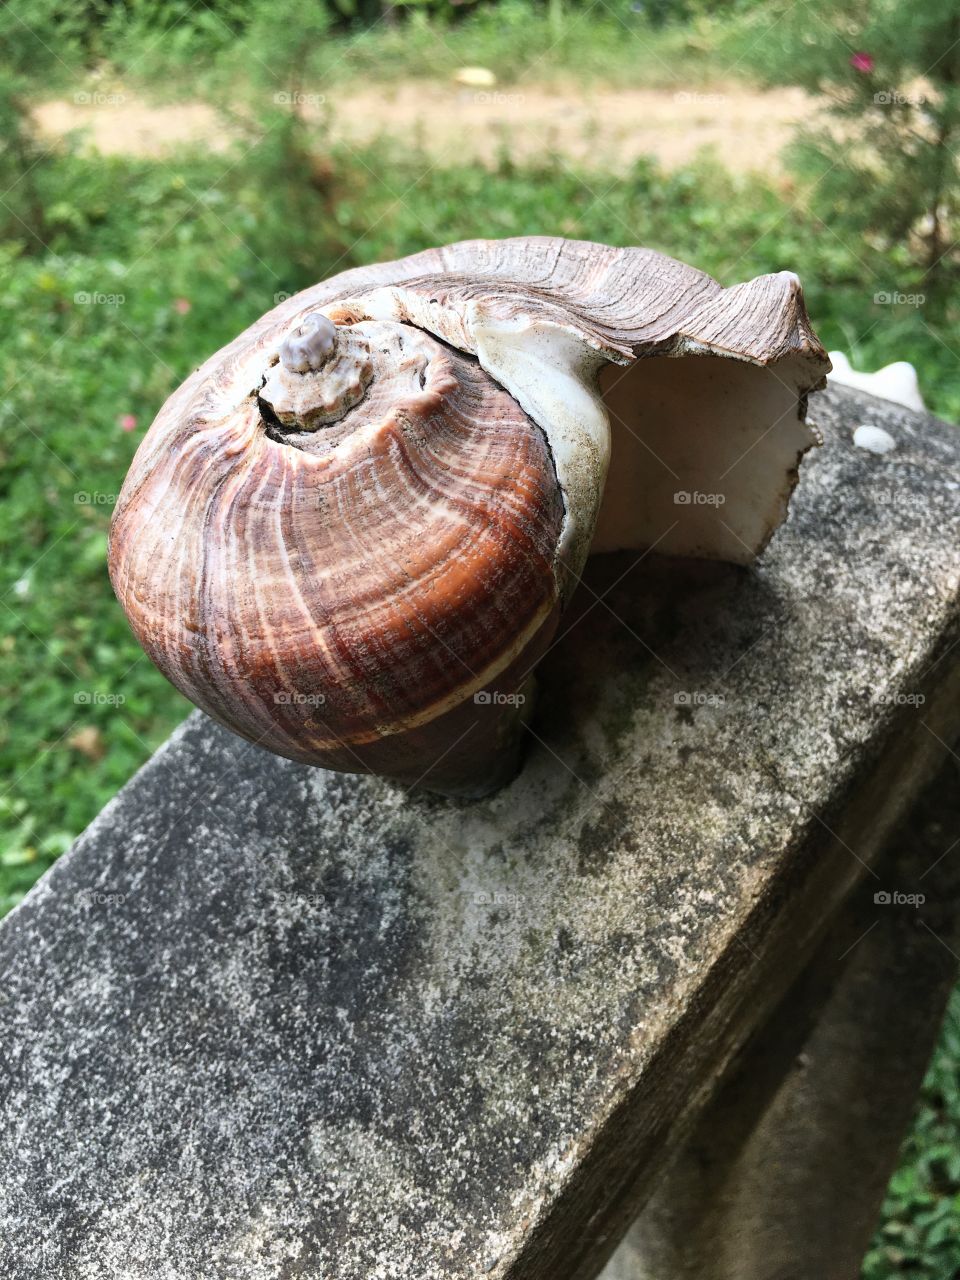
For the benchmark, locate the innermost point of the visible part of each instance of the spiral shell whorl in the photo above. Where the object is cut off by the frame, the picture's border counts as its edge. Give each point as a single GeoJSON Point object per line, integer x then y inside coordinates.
{"type": "Point", "coordinates": [333, 599]}
{"type": "Point", "coordinates": [318, 375]}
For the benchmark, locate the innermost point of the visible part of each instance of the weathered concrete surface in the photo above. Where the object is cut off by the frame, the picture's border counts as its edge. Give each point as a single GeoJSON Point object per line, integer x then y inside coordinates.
{"type": "Point", "coordinates": [335, 1031]}
{"type": "Point", "coordinates": [785, 1174]}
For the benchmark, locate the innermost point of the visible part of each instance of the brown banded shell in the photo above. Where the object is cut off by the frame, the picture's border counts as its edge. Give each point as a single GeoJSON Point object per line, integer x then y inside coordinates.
{"type": "Point", "coordinates": [332, 592]}
{"type": "Point", "coordinates": [348, 537]}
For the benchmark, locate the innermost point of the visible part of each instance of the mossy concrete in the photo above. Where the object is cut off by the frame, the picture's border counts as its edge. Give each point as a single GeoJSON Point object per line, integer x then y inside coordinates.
{"type": "Point", "coordinates": [264, 1022]}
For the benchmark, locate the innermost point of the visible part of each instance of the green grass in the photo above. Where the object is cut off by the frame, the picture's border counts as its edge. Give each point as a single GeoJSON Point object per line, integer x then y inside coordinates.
{"type": "Point", "coordinates": [187, 252]}
{"type": "Point", "coordinates": [919, 1234]}
{"type": "Point", "coordinates": [593, 43]}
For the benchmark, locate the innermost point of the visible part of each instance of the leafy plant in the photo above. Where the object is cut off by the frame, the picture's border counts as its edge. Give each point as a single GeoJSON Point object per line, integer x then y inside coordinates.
{"type": "Point", "coordinates": [920, 1231]}
{"type": "Point", "coordinates": [884, 155]}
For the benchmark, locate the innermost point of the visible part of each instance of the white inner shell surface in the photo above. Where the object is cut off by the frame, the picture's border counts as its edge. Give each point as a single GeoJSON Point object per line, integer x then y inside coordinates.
{"type": "Point", "coordinates": [705, 451]}
{"type": "Point", "coordinates": [705, 446]}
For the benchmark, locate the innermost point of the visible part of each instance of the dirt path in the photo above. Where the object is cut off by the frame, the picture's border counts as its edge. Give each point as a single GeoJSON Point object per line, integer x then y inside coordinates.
{"type": "Point", "coordinates": [605, 129]}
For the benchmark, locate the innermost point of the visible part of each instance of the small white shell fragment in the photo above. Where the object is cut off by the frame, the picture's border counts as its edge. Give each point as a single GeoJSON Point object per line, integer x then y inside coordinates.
{"type": "Point", "coordinates": [475, 77]}
{"type": "Point", "coordinates": [873, 439]}
{"type": "Point", "coordinates": [896, 382]}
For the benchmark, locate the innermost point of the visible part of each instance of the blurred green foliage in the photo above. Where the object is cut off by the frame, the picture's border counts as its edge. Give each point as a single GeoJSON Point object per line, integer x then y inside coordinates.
{"type": "Point", "coordinates": [919, 1233]}
{"type": "Point", "coordinates": [210, 24]}
{"type": "Point", "coordinates": [190, 46]}
{"type": "Point", "coordinates": [884, 152]}
{"type": "Point", "coordinates": [26, 61]}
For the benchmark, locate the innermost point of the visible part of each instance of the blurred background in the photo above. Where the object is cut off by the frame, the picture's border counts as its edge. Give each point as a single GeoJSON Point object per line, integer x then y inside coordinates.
{"type": "Point", "coordinates": [169, 169]}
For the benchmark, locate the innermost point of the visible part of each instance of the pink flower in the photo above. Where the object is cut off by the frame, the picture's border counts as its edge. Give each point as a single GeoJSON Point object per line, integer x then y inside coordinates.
{"type": "Point", "coordinates": [182, 306]}
{"type": "Point", "coordinates": [862, 62]}
{"type": "Point", "coordinates": [128, 422]}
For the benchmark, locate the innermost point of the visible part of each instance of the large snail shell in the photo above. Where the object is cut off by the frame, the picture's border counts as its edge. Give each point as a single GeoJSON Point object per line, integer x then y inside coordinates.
{"type": "Point", "coordinates": [348, 536]}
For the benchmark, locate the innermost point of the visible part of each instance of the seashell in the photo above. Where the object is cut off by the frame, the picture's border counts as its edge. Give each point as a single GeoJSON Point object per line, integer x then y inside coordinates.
{"type": "Point", "coordinates": [349, 536]}
{"type": "Point", "coordinates": [897, 382]}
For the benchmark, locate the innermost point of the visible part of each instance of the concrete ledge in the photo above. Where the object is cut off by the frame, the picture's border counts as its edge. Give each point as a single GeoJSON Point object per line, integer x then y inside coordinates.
{"type": "Point", "coordinates": [265, 1022]}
